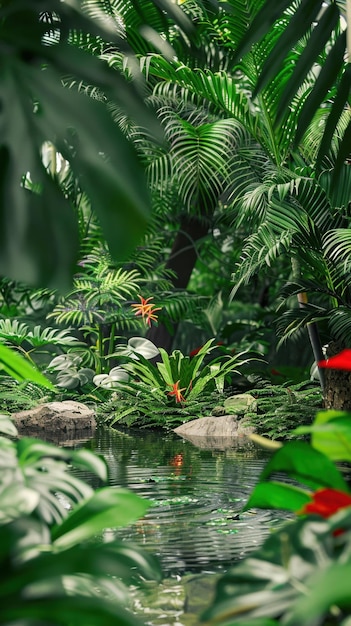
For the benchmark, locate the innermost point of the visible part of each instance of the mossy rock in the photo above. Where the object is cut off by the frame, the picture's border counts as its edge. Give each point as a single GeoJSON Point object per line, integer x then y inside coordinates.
{"type": "Point", "coordinates": [240, 404]}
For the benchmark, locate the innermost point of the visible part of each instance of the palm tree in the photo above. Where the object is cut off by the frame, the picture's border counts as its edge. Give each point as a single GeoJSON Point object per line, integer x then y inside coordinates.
{"type": "Point", "coordinates": [272, 186]}
{"type": "Point", "coordinates": [199, 112]}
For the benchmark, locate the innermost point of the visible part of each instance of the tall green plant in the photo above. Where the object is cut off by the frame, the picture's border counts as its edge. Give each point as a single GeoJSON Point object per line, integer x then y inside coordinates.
{"type": "Point", "coordinates": [175, 381]}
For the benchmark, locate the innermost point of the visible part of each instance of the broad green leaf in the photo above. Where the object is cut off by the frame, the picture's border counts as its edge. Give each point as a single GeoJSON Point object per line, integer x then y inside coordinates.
{"type": "Point", "coordinates": [7, 426]}
{"type": "Point", "coordinates": [165, 368]}
{"type": "Point", "coordinates": [64, 608]}
{"type": "Point", "coordinates": [16, 501]}
{"type": "Point", "coordinates": [327, 587]}
{"type": "Point", "coordinates": [274, 495]}
{"type": "Point", "coordinates": [87, 460]}
{"type": "Point", "coordinates": [108, 507]}
{"type": "Point", "coordinates": [270, 581]}
{"type": "Point", "coordinates": [140, 345]}
{"type": "Point", "coordinates": [198, 386]}
{"type": "Point", "coordinates": [306, 465]}
{"type": "Point", "coordinates": [104, 161]}
{"type": "Point", "coordinates": [31, 450]}
{"type": "Point", "coordinates": [331, 434]}
{"type": "Point", "coordinates": [20, 369]}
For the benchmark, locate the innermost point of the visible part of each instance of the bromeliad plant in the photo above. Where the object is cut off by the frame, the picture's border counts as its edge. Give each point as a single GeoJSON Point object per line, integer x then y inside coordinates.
{"type": "Point", "coordinates": [301, 574]}
{"type": "Point", "coordinates": [175, 381]}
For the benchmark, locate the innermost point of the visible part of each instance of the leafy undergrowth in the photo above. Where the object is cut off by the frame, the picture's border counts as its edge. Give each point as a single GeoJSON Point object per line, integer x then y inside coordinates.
{"type": "Point", "coordinates": [136, 411]}
{"type": "Point", "coordinates": [278, 410]}
{"type": "Point", "coordinates": [281, 409]}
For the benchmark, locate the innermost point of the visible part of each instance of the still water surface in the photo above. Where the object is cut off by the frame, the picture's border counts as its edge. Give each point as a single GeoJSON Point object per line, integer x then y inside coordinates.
{"type": "Point", "coordinates": [195, 523]}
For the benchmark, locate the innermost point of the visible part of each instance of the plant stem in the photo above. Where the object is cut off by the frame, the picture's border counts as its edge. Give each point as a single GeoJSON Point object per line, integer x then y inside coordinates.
{"type": "Point", "coordinates": [100, 346]}
{"type": "Point", "coordinates": [111, 343]}
{"type": "Point", "coordinates": [312, 328]}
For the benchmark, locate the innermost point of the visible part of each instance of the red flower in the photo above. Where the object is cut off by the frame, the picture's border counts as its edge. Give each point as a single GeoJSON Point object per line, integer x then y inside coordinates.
{"type": "Point", "coordinates": [176, 392]}
{"type": "Point", "coordinates": [146, 310]}
{"type": "Point", "coordinates": [341, 361]}
{"type": "Point", "coordinates": [197, 350]}
{"type": "Point", "coordinates": [326, 502]}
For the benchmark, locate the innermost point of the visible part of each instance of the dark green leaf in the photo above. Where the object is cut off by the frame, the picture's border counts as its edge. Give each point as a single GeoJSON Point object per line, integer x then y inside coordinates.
{"type": "Point", "coordinates": [337, 109]}
{"type": "Point", "coordinates": [271, 580]}
{"type": "Point", "coordinates": [343, 153]}
{"type": "Point", "coordinates": [273, 495]}
{"type": "Point", "coordinates": [315, 45]}
{"type": "Point", "coordinates": [326, 588]}
{"type": "Point", "coordinates": [263, 20]}
{"type": "Point", "coordinates": [20, 369]}
{"type": "Point", "coordinates": [58, 609]}
{"type": "Point", "coordinates": [325, 80]}
{"type": "Point", "coordinates": [296, 27]}
{"type": "Point", "coordinates": [87, 460]}
{"type": "Point", "coordinates": [108, 507]}
{"type": "Point", "coordinates": [306, 465]}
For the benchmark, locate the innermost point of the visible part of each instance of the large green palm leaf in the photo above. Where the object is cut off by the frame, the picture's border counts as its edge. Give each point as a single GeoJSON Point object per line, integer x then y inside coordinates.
{"type": "Point", "coordinates": [320, 25]}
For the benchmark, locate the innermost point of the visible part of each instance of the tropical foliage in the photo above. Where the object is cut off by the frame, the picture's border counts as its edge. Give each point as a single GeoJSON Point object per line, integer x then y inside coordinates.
{"type": "Point", "coordinates": [174, 381]}
{"type": "Point", "coordinates": [297, 575]}
{"type": "Point", "coordinates": [53, 566]}
{"type": "Point", "coordinates": [46, 245]}
{"type": "Point", "coordinates": [321, 28]}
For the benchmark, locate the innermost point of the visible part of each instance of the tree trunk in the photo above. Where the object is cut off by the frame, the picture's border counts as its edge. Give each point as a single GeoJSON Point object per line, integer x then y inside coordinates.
{"type": "Point", "coordinates": [337, 391]}
{"type": "Point", "coordinates": [182, 261]}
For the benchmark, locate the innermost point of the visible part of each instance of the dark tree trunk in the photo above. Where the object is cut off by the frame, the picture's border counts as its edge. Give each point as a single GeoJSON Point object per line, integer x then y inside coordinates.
{"type": "Point", "coordinates": [337, 391]}
{"type": "Point", "coordinates": [182, 261]}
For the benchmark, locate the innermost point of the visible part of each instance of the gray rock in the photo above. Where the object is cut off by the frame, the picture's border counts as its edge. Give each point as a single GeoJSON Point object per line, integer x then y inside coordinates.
{"type": "Point", "coordinates": [56, 421]}
{"type": "Point", "coordinates": [211, 432]}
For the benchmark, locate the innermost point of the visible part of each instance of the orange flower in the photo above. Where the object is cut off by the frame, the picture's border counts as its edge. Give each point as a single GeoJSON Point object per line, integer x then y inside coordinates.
{"type": "Point", "coordinates": [176, 392]}
{"type": "Point", "coordinates": [177, 460]}
{"type": "Point", "coordinates": [326, 502]}
{"type": "Point", "coordinates": [146, 310]}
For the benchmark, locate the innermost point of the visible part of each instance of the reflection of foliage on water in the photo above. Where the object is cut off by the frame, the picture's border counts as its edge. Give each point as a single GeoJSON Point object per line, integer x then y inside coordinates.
{"type": "Point", "coordinates": [124, 446]}
{"type": "Point", "coordinates": [196, 496]}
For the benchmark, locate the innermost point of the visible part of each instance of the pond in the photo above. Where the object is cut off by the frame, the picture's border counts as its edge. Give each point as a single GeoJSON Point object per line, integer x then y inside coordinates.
{"type": "Point", "coordinates": [195, 525]}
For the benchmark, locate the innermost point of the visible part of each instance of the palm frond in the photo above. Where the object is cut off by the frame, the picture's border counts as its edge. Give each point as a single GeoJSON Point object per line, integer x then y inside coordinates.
{"type": "Point", "coordinates": [319, 24]}
{"type": "Point", "coordinates": [292, 322]}
{"type": "Point", "coordinates": [340, 325]}
{"type": "Point", "coordinates": [260, 250]}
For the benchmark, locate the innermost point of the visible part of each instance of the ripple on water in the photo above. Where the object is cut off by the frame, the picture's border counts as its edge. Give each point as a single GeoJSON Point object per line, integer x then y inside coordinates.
{"type": "Point", "coordinates": [195, 521]}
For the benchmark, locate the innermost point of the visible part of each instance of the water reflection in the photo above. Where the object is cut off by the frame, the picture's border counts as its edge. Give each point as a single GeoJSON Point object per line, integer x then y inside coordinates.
{"type": "Point", "coordinates": [195, 521]}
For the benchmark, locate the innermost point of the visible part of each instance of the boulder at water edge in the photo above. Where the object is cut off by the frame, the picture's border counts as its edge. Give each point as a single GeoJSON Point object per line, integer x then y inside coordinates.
{"type": "Point", "coordinates": [56, 421]}
{"type": "Point", "coordinates": [215, 432]}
